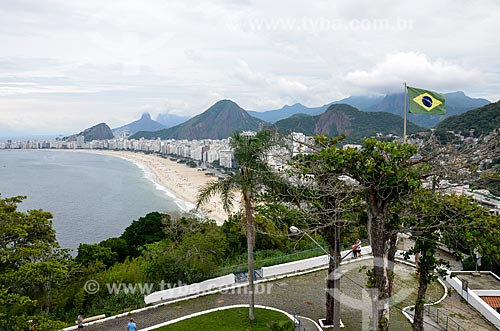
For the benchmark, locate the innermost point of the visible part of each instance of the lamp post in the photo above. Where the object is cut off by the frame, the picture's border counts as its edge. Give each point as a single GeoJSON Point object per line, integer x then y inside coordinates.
{"type": "Point", "coordinates": [336, 276]}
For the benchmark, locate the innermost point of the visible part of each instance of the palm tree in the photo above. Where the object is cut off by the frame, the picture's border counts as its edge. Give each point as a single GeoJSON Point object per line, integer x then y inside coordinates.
{"type": "Point", "coordinates": [250, 153]}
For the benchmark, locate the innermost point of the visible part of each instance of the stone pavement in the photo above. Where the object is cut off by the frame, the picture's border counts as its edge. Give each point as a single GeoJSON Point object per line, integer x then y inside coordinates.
{"type": "Point", "coordinates": [304, 295]}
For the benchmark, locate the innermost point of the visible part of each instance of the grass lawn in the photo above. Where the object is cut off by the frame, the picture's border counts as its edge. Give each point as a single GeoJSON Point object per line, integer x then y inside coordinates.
{"type": "Point", "coordinates": [235, 319]}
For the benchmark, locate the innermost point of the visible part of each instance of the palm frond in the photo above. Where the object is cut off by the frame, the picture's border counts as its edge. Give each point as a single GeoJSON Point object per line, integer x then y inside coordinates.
{"type": "Point", "coordinates": [224, 188]}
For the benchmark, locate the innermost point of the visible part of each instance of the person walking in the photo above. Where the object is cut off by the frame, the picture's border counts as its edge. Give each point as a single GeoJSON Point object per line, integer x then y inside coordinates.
{"type": "Point", "coordinates": [355, 249]}
{"type": "Point", "coordinates": [79, 321]}
{"type": "Point", "coordinates": [131, 325]}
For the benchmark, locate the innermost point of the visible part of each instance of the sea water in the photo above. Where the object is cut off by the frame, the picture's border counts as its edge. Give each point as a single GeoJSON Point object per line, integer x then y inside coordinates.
{"type": "Point", "coordinates": [91, 196]}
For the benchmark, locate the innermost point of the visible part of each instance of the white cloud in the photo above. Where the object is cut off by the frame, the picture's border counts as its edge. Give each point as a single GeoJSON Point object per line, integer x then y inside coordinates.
{"type": "Point", "coordinates": [92, 61]}
{"type": "Point", "coordinates": [279, 85]}
{"type": "Point", "coordinates": [416, 69]}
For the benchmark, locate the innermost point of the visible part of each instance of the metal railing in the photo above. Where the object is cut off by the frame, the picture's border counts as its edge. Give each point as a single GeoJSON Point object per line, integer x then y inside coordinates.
{"type": "Point", "coordinates": [241, 277]}
{"type": "Point", "coordinates": [442, 319]}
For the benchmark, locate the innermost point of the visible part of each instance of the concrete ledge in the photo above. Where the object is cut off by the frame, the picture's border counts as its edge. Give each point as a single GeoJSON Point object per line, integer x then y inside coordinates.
{"type": "Point", "coordinates": [187, 290]}
{"type": "Point", "coordinates": [93, 318]}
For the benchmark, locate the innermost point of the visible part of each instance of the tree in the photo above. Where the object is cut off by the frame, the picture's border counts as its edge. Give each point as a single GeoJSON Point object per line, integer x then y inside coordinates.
{"type": "Point", "coordinates": [325, 203]}
{"type": "Point", "coordinates": [250, 154]}
{"type": "Point", "coordinates": [192, 257]}
{"type": "Point", "coordinates": [436, 219]}
{"type": "Point", "coordinates": [145, 230]}
{"type": "Point", "coordinates": [118, 246]}
{"type": "Point", "coordinates": [385, 175]}
{"type": "Point", "coordinates": [92, 253]}
{"type": "Point", "coordinates": [30, 265]}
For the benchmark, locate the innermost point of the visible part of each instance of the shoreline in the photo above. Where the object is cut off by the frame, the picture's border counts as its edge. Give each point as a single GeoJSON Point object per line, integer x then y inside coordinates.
{"type": "Point", "coordinates": [178, 181]}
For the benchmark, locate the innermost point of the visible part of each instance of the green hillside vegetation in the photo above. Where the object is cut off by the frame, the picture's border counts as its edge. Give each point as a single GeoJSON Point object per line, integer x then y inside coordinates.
{"type": "Point", "coordinates": [297, 123]}
{"type": "Point", "coordinates": [343, 119]}
{"type": "Point", "coordinates": [154, 248]}
{"type": "Point", "coordinates": [217, 122]}
{"type": "Point", "coordinates": [482, 120]}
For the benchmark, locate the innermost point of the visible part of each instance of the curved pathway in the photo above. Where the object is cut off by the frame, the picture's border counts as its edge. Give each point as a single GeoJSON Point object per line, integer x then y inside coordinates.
{"type": "Point", "coordinates": [303, 294]}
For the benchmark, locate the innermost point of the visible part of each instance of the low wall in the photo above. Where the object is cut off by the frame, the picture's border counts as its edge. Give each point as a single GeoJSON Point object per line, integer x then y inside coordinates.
{"type": "Point", "coordinates": [475, 301]}
{"type": "Point", "coordinates": [228, 280]}
{"type": "Point", "coordinates": [294, 266]}
{"type": "Point", "coordinates": [311, 263]}
{"type": "Point", "coordinates": [182, 291]}
{"type": "Point", "coordinates": [487, 293]}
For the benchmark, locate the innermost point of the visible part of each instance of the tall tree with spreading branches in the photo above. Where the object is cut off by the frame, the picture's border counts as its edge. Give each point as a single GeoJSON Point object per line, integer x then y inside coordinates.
{"type": "Point", "coordinates": [385, 173]}
{"type": "Point", "coordinates": [325, 205]}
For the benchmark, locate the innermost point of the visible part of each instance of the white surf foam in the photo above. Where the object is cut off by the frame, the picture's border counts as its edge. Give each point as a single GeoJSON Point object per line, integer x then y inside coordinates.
{"type": "Point", "coordinates": [149, 175]}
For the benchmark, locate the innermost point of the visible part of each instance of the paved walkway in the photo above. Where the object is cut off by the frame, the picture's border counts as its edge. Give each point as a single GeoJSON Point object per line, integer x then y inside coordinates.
{"type": "Point", "coordinates": [304, 295]}
{"type": "Point", "coordinates": [429, 323]}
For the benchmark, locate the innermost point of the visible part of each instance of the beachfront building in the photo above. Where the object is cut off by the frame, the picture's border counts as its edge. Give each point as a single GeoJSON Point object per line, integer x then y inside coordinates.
{"type": "Point", "coordinates": [226, 158]}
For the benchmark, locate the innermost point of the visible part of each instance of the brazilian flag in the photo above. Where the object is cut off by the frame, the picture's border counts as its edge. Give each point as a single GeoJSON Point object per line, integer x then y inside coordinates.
{"type": "Point", "coordinates": [426, 102]}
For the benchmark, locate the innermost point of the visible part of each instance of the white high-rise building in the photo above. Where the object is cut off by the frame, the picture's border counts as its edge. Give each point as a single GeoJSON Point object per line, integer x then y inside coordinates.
{"type": "Point", "coordinates": [226, 158]}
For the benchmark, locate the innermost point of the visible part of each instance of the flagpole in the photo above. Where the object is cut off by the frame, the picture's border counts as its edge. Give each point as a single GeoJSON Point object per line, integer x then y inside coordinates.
{"type": "Point", "coordinates": [404, 116]}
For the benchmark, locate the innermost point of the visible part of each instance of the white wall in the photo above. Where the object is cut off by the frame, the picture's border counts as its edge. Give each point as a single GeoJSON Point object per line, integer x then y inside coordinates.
{"type": "Point", "coordinates": [291, 267]}
{"type": "Point", "coordinates": [182, 291]}
{"type": "Point", "coordinates": [311, 263]}
{"type": "Point", "coordinates": [475, 301]}
{"type": "Point", "coordinates": [487, 293]}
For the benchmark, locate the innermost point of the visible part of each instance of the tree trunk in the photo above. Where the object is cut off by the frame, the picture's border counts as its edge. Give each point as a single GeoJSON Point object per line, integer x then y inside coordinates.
{"type": "Point", "coordinates": [418, 318]}
{"type": "Point", "coordinates": [377, 215]}
{"type": "Point", "coordinates": [330, 285]}
{"type": "Point", "coordinates": [333, 279]}
{"type": "Point", "coordinates": [393, 241]}
{"type": "Point", "coordinates": [250, 229]}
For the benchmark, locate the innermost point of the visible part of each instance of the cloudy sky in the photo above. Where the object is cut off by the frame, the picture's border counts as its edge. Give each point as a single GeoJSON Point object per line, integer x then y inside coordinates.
{"type": "Point", "coordinates": [66, 65]}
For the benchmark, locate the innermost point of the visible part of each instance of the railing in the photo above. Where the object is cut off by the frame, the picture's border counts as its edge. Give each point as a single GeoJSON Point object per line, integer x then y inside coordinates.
{"type": "Point", "coordinates": [442, 319]}
{"type": "Point", "coordinates": [241, 277]}
{"type": "Point", "coordinates": [239, 268]}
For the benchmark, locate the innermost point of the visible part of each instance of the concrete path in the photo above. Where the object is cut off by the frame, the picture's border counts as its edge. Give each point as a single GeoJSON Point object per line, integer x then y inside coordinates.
{"type": "Point", "coordinates": [429, 323]}
{"type": "Point", "coordinates": [304, 295]}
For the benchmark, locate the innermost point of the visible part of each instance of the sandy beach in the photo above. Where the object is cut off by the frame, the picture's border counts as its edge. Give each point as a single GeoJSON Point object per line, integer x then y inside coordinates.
{"type": "Point", "coordinates": [181, 180]}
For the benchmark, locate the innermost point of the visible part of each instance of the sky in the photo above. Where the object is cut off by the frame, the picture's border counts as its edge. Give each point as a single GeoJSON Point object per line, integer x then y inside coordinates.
{"type": "Point", "coordinates": [67, 65]}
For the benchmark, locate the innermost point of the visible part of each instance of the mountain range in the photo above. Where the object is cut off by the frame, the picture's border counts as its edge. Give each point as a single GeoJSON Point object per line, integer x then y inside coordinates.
{"type": "Point", "coordinates": [217, 122]}
{"type": "Point", "coordinates": [379, 115]}
{"type": "Point", "coordinates": [145, 123]}
{"type": "Point", "coordinates": [225, 117]}
{"type": "Point", "coordinates": [170, 120]}
{"type": "Point", "coordinates": [456, 103]}
{"type": "Point", "coordinates": [344, 119]}
{"type": "Point", "coordinates": [271, 116]}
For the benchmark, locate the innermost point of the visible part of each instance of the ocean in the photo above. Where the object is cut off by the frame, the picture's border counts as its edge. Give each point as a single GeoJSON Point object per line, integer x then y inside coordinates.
{"type": "Point", "coordinates": [91, 196]}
